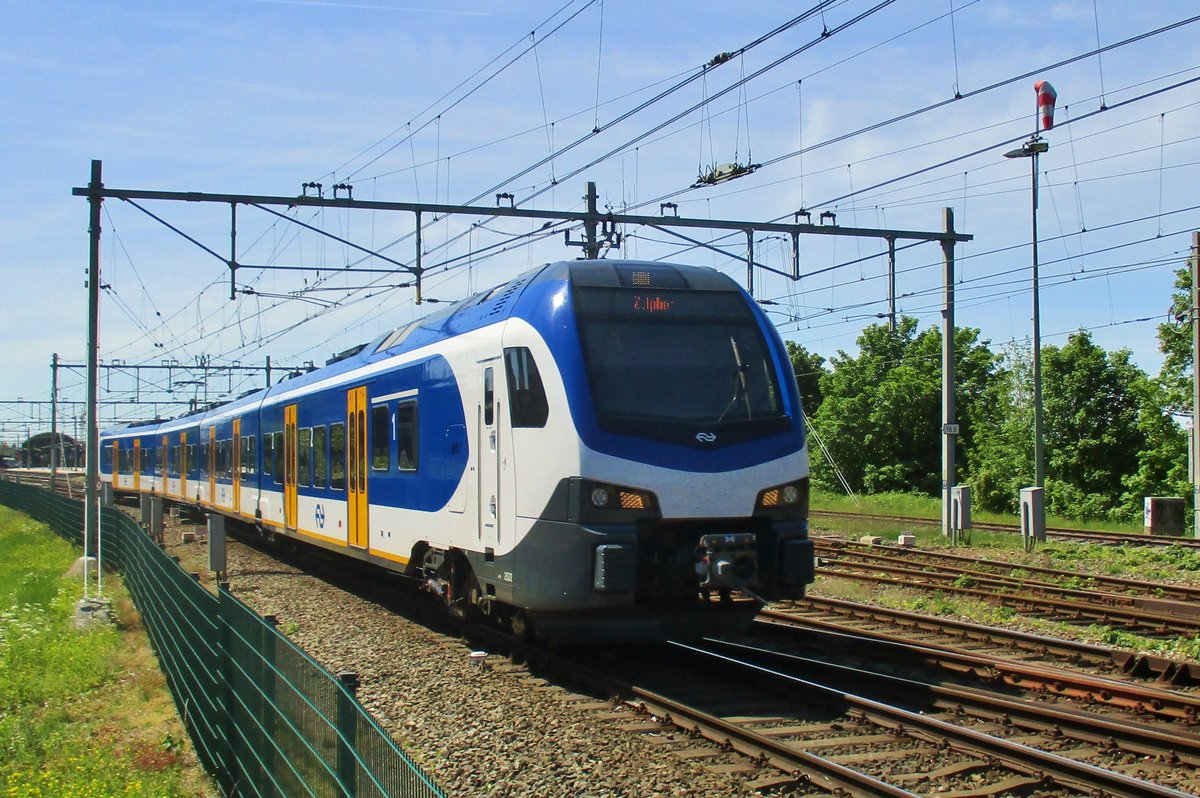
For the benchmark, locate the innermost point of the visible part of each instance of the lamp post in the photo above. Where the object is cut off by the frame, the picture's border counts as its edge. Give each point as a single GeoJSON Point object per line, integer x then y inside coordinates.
{"type": "Point", "coordinates": [1036, 145]}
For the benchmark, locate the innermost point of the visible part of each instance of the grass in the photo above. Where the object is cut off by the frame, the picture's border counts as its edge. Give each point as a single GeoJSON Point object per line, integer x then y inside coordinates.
{"type": "Point", "coordinates": [83, 714]}
{"type": "Point", "coordinates": [976, 611]}
{"type": "Point", "coordinates": [918, 506]}
{"type": "Point", "coordinates": [1154, 564]}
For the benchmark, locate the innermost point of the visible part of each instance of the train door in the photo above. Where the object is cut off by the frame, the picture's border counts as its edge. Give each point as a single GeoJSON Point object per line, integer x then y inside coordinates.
{"type": "Point", "coordinates": [487, 461]}
{"type": "Point", "coordinates": [137, 464]}
{"type": "Point", "coordinates": [164, 459]}
{"type": "Point", "coordinates": [183, 464]}
{"type": "Point", "coordinates": [290, 462]}
{"type": "Point", "coordinates": [356, 465]}
{"type": "Point", "coordinates": [237, 465]}
{"type": "Point", "coordinates": [212, 465]}
{"type": "Point", "coordinates": [116, 463]}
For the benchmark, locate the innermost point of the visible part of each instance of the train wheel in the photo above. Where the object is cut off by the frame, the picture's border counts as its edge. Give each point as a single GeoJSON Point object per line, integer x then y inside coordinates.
{"type": "Point", "coordinates": [454, 582]}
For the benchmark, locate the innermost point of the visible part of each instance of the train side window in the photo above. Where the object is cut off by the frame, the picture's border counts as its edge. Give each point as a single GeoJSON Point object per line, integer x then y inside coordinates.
{"type": "Point", "coordinates": [249, 463]}
{"type": "Point", "coordinates": [526, 395]}
{"type": "Point", "coordinates": [407, 436]}
{"type": "Point", "coordinates": [489, 399]}
{"type": "Point", "coordinates": [381, 438]}
{"type": "Point", "coordinates": [191, 457]}
{"type": "Point", "coordinates": [268, 454]}
{"type": "Point", "coordinates": [173, 462]}
{"type": "Point", "coordinates": [337, 456]}
{"type": "Point", "coordinates": [320, 458]}
{"type": "Point", "coordinates": [278, 457]}
{"type": "Point", "coordinates": [304, 457]}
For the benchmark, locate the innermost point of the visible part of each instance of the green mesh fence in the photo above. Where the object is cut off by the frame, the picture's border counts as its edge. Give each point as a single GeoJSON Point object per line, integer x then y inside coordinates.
{"type": "Point", "coordinates": [265, 718]}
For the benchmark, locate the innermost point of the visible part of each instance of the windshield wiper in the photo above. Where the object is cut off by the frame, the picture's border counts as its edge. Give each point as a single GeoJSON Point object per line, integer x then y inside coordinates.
{"type": "Point", "coordinates": [740, 391]}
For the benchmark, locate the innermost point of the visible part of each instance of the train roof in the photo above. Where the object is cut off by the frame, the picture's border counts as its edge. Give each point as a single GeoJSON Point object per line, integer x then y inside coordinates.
{"type": "Point", "coordinates": [475, 312]}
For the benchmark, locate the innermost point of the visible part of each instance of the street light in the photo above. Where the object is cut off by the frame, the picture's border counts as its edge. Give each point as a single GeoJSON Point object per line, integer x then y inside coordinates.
{"type": "Point", "coordinates": [1044, 117]}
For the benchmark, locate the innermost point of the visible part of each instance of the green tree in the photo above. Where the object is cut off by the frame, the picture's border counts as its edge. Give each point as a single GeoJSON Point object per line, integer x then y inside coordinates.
{"type": "Point", "coordinates": [881, 414]}
{"type": "Point", "coordinates": [1161, 468]}
{"type": "Point", "coordinates": [809, 368]}
{"type": "Point", "coordinates": [1000, 461]}
{"type": "Point", "coordinates": [1107, 433]}
{"type": "Point", "coordinates": [1175, 342]}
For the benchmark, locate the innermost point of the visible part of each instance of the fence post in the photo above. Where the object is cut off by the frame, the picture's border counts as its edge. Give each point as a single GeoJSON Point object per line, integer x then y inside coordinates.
{"type": "Point", "coordinates": [347, 725]}
{"type": "Point", "coordinates": [225, 724]}
{"type": "Point", "coordinates": [156, 518]}
{"type": "Point", "coordinates": [269, 709]}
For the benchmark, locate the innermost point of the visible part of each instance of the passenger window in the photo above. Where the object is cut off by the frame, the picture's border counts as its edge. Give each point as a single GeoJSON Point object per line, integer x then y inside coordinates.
{"type": "Point", "coordinates": [526, 396]}
{"type": "Point", "coordinates": [381, 438]}
{"type": "Point", "coordinates": [278, 457]}
{"type": "Point", "coordinates": [268, 454]}
{"type": "Point", "coordinates": [337, 456]}
{"type": "Point", "coordinates": [320, 458]}
{"type": "Point", "coordinates": [407, 439]}
{"type": "Point", "coordinates": [304, 457]}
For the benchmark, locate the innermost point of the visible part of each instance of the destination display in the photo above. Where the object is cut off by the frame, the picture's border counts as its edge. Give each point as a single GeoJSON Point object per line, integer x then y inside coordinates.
{"type": "Point", "coordinates": [659, 303]}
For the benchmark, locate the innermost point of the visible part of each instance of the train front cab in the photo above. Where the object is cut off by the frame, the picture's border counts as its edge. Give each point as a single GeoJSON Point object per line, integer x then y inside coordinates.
{"type": "Point", "coordinates": [694, 486]}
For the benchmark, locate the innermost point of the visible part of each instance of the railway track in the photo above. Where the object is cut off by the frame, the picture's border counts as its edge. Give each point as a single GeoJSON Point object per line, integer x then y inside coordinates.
{"type": "Point", "coordinates": [1140, 700]}
{"type": "Point", "coordinates": [820, 728]}
{"type": "Point", "coordinates": [1018, 574]}
{"type": "Point", "coordinates": [828, 727]}
{"type": "Point", "coordinates": [1064, 533]}
{"type": "Point", "coordinates": [1145, 615]}
{"type": "Point", "coordinates": [936, 632]}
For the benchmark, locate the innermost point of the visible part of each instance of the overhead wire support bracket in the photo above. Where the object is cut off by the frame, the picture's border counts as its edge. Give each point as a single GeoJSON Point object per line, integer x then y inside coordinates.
{"type": "Point", "coordinates": [601, 230]}
{"type": "Point", "coordinates": [129, 195]}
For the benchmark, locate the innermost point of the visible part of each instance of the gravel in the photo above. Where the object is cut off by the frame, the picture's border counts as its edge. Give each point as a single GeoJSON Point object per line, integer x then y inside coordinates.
{"type": "Point", "coordinates": [477, 731]}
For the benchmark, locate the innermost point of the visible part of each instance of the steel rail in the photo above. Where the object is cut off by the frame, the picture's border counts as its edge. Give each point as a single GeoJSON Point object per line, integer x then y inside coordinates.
{"type": "Point", "coordinates": [1030, 677]}
{"type": "Point", "coordinates": [1067, 772]}
{"type": "Point", "coordinates": [796, 764]}
{"type": "Point", "coordinates": [1060, 532]}
{"type": "Point", "coordinates": [1072, 650]}
{"type": "Point", "coordinates": [782, 756]}
{"type": "Point", "coordinates": [940, 556]}
{"type": "Point", "coordinates": [950, 573]}
{"type": "Point", "coordinates": [1135, 619]}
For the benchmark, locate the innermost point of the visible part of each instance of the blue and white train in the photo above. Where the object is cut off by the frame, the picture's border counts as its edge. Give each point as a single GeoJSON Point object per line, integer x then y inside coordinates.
{"type": "Point", "coordinates": [594, 450]}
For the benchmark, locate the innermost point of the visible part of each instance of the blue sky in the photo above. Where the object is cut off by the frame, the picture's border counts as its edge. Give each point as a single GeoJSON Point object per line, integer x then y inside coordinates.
{"type": "Point", "coordinates": [259, 96]}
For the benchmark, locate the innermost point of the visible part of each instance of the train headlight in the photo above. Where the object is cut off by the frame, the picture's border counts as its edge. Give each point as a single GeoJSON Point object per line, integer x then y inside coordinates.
{"type": "Point", "coordinates": [600, 498]}
{"type": "Point", "coordinates": [605, 503]}
{"type": "Point", "coordinates": [789, 500]}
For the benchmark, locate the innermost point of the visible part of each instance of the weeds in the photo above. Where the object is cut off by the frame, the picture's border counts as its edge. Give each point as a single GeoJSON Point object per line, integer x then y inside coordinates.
{"type": "Point", "coordinates": [57, 683]}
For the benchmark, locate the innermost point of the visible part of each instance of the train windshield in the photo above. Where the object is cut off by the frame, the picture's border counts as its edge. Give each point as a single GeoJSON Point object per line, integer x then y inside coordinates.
{"type": "Point", "coordinates": [681, 365]}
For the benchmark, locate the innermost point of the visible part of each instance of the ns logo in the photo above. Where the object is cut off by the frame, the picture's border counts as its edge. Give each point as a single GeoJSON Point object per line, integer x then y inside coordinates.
{"type": "Point", "coordinates": [706, 437]}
